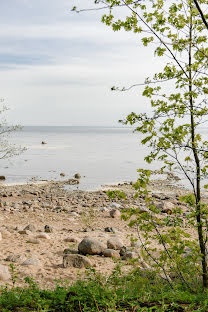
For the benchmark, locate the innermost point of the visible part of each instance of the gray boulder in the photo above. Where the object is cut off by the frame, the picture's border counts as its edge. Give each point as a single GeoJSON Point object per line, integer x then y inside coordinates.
{"type": "Point", "coordinates": [76, 261]}
{"type": "Point", "coordinates": [91, 246]}
{"type": "Point", "coordinates": [111, 253]}
{"type": "Point", "coordinates": [115, 243]}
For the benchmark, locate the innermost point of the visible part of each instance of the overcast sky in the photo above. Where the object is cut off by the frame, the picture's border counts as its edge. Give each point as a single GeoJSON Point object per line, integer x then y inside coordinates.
{"type": "Point", "coordinates": [57, 66]}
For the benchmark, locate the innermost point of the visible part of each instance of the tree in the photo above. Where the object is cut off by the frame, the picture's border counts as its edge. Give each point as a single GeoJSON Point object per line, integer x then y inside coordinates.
{"type": "Point", "coordinates": [172, 129]}
{"type": "Point", "coordinates": [7, 150]}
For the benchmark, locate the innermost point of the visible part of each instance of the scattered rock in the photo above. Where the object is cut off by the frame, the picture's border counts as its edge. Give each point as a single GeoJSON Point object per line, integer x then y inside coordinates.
{"type": "Point", "coordinates": [76, 261]}
{"type": "Point", "coordinates": [32, 260]}
{"type": "Point", "coordinates": [13, 258]}
{"type": "Point", "coordinates": [26, 232]}
{"type": "Point", "coordinates": [71, 240]}
{"type": "Point", "coordinates": [115, 205]}
{"type": "Point", "coordinates": [2, 178]}
{"type": "Point", "coordinates": [115, 243]}
{"type": "Point", "coordinates": [77, 176]}
{"type": "Point", "coordinates": [111, 253]}
{"type": "Point", "coordinates": [136, 244]}
{"type": "Point", "coordinates": [43, 235]}
{"type": "Point", "coordinates": [115, 213]}
{"type": "Point", "coordinates": [4, 273]}
{"type": "Point", "coordinates": [111, 230]}
{"type": "Point", "coordinates": [165, 205]}
{"type": "Point", "coordinates": [33, 241]}
{"type": "Point", "coordinates": [128, 254]}
{"type": "Point", "coordinates": [69, 251]}
{"type": "Point", "coordinates": [91, 246]}
{"type": "Point", "coordinates": [48, 229]}
{"type": "Point", "coordinates": [30, 227]}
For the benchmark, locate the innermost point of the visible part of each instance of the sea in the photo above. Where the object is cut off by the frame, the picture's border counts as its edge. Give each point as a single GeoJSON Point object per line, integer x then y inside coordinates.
{"type": "Point", "coordinates": [102, 155]}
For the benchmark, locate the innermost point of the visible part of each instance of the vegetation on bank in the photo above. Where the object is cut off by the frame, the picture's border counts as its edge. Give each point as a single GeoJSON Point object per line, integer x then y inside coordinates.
{"type": "Point", "coordinates": [140, 291]}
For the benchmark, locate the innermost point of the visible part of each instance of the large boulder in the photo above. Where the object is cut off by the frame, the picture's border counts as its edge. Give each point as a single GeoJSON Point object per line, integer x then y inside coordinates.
{"type": "Point", "coordinates": [76, 261]}
{"type": "Point", "coordinates": [115, 243]}
{"type": "Point", "coordinates": [91, 246]}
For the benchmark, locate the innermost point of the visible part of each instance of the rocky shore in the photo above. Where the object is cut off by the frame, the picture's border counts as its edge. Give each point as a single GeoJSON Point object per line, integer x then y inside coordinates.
{"type": "Point", "coordinates": [50, 233]}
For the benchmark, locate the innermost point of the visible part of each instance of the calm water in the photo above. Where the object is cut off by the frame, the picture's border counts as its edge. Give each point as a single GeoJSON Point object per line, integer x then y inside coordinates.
{"type": "Point", "coordinates": [101, 155]}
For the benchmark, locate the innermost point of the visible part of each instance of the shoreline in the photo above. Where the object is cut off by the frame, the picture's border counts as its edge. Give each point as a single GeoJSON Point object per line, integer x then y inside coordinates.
{"type": "Point", "coordinates": [39, 222]}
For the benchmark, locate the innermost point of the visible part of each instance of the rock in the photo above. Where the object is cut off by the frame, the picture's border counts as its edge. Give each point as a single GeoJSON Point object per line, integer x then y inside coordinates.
{"type": "Point", "coordinates": [48, 229]}
{"type": "Point", "coordinates": [111, 253]}
{"type": "Point", "coordinates": [136, 244]}
{"type": "Point", "coordinates": [69, 251]}
{"type": "Point", "coordinates": [167, 210]}
{"type": "Point", "coordinates": [76, 261]}
{"type": "Point", "coordinates": [30, 227]}
{"type": "Point", "coordinates": [43, 235]}
{"type": "Point", "coordinates": [33, 241]}
{"type": "Point", "coordinates": [77, 176]}
{"type": "Point", "coordinates": [128, 254]}
{"type": "Point", "coordinates": [115, 213]}
{"type": "Point", "coordinates": [71, 240]}
{"type": "Point", "coordinates": [91, 246]}
{"type": "Point", "coordinates": [62, 174]}
{"type": "Point", "coordinates": [2, 178]}
{"type": "Point", "coordinates": [111, 229]}
{"type": "Point", "coordinates": [43, 142]}
{"type": "Point", "coordinates": [32, 260]}
{"type": "Point", "coordinates": [115, 243]}
{"type": "Point", "coordinates": [165, 205]}
{"type": "Point", "coordinates": [26, 232]}
{"type": "Point", "coordinates": [73, 214]}
{"type": "Point", "coordinates": [115, 205]}
{"type": "Point", "coordinates": [4, 273]}
{"type": "Point", "coordinates": [13, 258]}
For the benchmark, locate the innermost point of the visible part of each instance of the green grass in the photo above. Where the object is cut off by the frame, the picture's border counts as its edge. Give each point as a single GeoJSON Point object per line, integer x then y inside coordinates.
{"type": "Point", "coordinates": [132, 292]}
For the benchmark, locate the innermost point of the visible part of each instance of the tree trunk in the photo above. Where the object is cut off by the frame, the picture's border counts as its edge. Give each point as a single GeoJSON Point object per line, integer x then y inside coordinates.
{"type": "Point", "coordinates": [198, 171]}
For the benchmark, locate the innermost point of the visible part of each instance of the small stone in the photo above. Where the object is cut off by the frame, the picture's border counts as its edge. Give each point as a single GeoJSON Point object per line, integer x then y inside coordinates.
{"type": "Point", "coordinates": [43, 235]}
{"type": "Point", "coordinates": [69, 251]}
{"type": "Point", "coordinates": [2, 178]}
{"type": "Point", "coordinates": [111, 253]}
{"type": "Point", "coordinates": [33, 260]}
{"type": "Point", "coordinates": [115, 243]}
{"type": "Point", "coordinates": [48, 229]}
{"type": "Point", "coordinates": [30, 227]}
{"type": "Point", "coordinates": [111, 230]}
{"type": "Point", "coordinates": [77, 176]}
{"type": "Point", "coordinates": [26, 232]}
{"type": "Point", "coordinates": [76, 261]}
{"type": "Point", "coordinates": [33, 241]}
{"type": "Point", "coordinates": [130, 255]}
{"type": "Point", "coordinates": [13, 258]}
{"type": "Point", "coordinates": [4, 273]}
{"type": "Point", "coordinates": [62, 174]}
{"type": "Point", "coordinates": [135, 244]}
{"type": "Point", "coordinates": [71, 240]}
{"type": "Point", "coordinates": [43, 142]}
{"type": "Point", "coordinates": [115, 205]}
{"type": "Point", "coordinates": [115, 213]}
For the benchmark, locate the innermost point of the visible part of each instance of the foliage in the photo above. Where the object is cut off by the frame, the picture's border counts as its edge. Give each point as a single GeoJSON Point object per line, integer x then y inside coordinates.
{"type": "Point", "coordinates": [117, 292]}
{"type": "Point", "coordinates": [7, 150]}
{"type": "Point", "coordinates": [178, 97]}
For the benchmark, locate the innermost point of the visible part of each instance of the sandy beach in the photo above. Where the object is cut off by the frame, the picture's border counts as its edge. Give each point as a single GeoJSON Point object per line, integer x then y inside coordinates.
{"type": "Point", "coordinates": [38, 222]}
